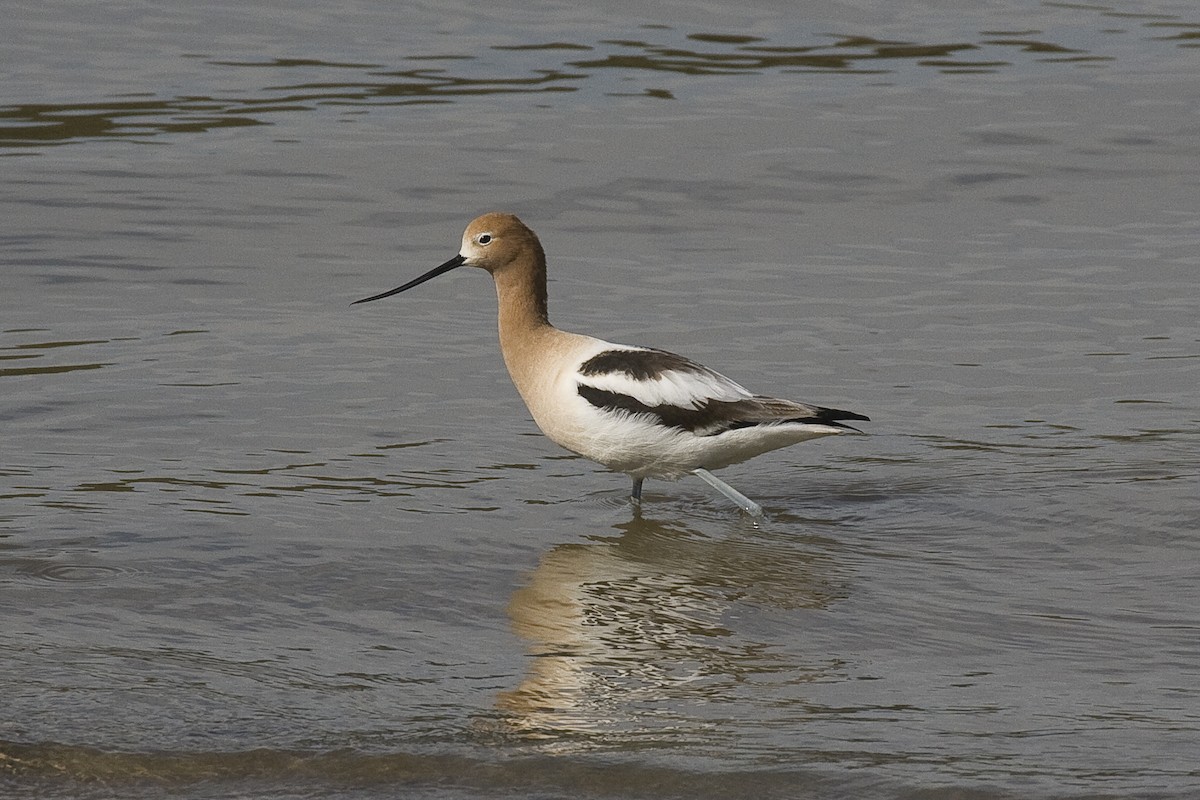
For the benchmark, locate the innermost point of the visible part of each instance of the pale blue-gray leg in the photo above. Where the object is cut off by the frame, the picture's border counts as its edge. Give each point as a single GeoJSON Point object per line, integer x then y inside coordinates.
{"type": "Point", "coordinates": [636, 494]}
{"type": "Point", "coordinates": [744, 503]}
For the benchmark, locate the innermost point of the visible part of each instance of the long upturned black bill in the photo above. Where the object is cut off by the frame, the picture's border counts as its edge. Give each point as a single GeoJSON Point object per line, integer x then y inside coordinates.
{"type": "Point", "coordinates": [457, 261]}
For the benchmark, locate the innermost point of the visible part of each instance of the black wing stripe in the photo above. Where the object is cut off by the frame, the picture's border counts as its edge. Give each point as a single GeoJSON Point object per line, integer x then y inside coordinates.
{"type": "Point", "coordinates": [712, 417]}
{"type": "Point", "coordinates": [639, 365]}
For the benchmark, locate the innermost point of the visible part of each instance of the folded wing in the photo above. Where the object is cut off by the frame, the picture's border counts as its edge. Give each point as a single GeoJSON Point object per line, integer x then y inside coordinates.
{"type": "Point", "coordinates": [673, 392]}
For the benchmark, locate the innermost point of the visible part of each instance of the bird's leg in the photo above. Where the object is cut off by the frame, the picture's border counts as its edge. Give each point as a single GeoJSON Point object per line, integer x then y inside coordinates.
{"type": "Point", "coordinates": [636, 493]}
{"type": "Point", "coordinates": [744, 503]}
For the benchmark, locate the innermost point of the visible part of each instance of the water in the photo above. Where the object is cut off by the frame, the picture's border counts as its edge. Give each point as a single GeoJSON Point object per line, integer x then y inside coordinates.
{"type": "Point", "coordinates": [254, 542]}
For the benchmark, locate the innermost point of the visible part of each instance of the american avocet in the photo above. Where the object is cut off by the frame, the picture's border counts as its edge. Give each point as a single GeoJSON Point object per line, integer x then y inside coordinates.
{"type": "Point", "coordinates": [637, 410]}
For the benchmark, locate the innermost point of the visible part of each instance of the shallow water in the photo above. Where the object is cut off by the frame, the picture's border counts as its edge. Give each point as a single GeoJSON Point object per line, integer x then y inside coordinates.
{"type": "Point", "coordinates": [256, 542]}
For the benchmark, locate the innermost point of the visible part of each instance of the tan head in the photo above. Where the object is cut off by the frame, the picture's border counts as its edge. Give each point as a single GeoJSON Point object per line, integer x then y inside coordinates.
{"type": "Point", "coordinates": [494, 241]}
{"type": "Point", "coordinates": [499, 243]}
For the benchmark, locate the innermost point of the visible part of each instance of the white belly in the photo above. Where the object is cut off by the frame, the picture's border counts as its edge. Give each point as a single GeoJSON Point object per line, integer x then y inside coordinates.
{"type": "Point", "coordinates": [636, 445]}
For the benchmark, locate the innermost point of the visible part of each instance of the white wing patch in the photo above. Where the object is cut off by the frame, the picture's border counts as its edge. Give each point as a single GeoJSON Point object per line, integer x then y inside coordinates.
{"type": "Point", "coordinates": [656, 378]}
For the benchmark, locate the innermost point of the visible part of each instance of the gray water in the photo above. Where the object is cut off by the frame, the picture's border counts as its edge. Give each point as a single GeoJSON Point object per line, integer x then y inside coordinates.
{"type": "Point", "coordinates": [254, 542]}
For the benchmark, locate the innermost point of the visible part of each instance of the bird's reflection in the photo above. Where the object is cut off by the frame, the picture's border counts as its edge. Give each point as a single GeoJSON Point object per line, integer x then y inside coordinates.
{"type": "Point", "coordinates": [626, 630]}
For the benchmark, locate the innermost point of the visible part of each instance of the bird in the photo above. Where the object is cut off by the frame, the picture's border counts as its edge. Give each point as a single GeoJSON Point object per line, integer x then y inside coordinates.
{"type": "Point", "coordinates": [641, 411]}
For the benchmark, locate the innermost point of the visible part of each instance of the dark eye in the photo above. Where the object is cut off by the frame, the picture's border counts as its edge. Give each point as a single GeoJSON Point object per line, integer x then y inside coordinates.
{"type": "Point", "coordinates": [484, 238]}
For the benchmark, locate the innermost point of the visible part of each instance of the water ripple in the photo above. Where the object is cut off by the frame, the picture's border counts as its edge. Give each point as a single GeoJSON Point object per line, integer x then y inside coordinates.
{"type": "Point", "coordinates": [36, 570]}
{"type": "Point", "coordinates": [542, 68]}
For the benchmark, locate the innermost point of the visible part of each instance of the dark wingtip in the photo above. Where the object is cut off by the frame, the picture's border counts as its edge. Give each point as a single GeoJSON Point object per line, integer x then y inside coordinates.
{"type": "Point", "coordinates": [834, 417]}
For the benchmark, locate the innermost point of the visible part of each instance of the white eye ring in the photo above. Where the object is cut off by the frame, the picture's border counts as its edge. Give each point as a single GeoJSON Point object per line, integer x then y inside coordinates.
{"type": "Point", "coordinates": [483, 239]}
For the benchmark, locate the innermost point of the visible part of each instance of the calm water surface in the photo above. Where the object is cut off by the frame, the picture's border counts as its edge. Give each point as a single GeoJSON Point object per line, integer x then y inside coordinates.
{"type": "Point", "coordinates": [254, 542]}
